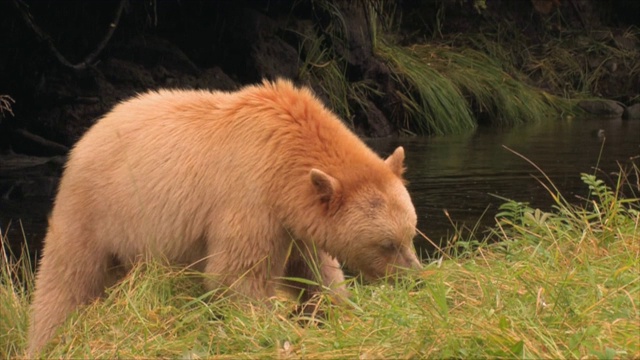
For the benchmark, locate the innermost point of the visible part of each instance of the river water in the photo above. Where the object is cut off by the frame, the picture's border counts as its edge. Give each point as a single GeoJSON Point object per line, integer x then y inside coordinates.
{"type": "Point", "coordinates": [464, 175]}
{"type": "Point", "coordinates": [460, 175]}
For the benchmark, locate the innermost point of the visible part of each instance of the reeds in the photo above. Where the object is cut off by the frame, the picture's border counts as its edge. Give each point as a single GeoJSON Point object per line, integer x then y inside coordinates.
{"type": "Point", "coordinates": [432, 102]}
{"type": "Point", "coordinates": [447, 89]}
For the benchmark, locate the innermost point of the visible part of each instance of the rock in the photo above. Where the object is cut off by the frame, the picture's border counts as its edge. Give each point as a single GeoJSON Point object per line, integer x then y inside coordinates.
{"type": "Point", "coordinates": [603, 108]}
{"type": "Point", "coordinates": [544, 7]}
{"type": "Point", "coordinates": [216, 79]}
{"type": "Point", "coordinates": [363, 65]}
{"type": "Point", "coordinates": [625, 43]}
{"type": "Point", "coordinates": [23, 176]}
{"type": "Point", "coordinates": [273, 57]}
{"type": "Point", "coordinates": [632, 112]}
{"type": "Point", "coordinates": [378, 123]}
{"type": "Point", "coordinates": [270, 55]}
{"type": "Point", "coordinates": [125, 72]}
{"type": "Point", "coordinates": [150, 51]}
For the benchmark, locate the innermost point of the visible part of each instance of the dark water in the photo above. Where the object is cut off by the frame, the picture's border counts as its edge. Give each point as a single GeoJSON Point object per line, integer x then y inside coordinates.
{"type": "Point", "coordinates": [461, 174]}
{"type": "Point", "coordinates": [456, 173]}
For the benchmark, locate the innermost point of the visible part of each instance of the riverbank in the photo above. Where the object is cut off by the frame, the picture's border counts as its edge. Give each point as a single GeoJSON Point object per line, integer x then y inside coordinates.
{"type": "Point", "coordinates": [560, 284]}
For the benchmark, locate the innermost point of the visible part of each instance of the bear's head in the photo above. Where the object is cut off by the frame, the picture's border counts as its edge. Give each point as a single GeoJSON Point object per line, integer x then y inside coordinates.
{"type": "Point", "coordinates": [372, 221]}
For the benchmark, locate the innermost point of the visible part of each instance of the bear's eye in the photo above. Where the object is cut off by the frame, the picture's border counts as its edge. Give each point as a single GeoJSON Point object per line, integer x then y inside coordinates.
{"type": "Point", "coordinates": [389, 245]}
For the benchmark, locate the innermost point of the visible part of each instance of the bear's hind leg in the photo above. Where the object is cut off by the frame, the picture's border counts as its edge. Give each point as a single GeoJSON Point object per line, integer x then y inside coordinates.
{"type": "Point", "coordinates": [69, 275]}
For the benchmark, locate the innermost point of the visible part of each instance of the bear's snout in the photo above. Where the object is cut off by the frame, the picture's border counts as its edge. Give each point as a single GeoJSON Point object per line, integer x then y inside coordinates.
{"type": "Point", "coordinates": [415, 263]}
{"type": "Point", "coordinates": [405, 259]}
{"type": "Point", "coordinates": [409, 259]}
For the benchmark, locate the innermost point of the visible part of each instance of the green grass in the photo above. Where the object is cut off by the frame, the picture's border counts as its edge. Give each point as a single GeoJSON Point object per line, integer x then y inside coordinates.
{"type": "Point", "coordinates": [446, 89]}
{"type": "Point", "coordinates": [431, 101]}
{"type": "Point", "coordinates": [557, 284]}
{"type": "Point", "coordinates": [16, 283]}
{"type": "Point", "coordinates": [451, 90]}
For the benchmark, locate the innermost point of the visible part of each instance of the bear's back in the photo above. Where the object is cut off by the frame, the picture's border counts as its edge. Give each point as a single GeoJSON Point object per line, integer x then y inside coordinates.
{"type": "Point", "coordinates": [159, 159]}
{"type": "Point", "coordinates": [272, 123]}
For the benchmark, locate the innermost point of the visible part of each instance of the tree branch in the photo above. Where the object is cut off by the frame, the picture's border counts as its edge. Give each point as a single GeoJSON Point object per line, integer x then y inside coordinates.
{"type": "Point", "coordinates": [5, 105]}
{"type": "Point", "coordinates": [26, 16]}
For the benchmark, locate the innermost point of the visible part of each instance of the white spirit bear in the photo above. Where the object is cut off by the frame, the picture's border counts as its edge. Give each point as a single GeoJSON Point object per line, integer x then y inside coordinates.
{"type": "Point", "coordinates": [226, 183]}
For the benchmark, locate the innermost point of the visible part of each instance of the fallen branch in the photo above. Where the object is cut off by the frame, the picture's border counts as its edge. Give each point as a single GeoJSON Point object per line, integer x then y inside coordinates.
{"type": "Point", "coordinates": [26, 15]}
{"type": "Point", "coordinates": [36, 141]}
{"type": "Point", "coordinates": [5, 104]}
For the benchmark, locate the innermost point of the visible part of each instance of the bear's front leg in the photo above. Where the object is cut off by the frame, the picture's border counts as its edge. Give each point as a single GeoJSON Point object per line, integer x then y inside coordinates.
{"type": "Point", "coordinates": [253, 281]}
{"type": "Point", "coordinates": [245, 260]}
{"type": "Point", "coordinates": [316, 265]}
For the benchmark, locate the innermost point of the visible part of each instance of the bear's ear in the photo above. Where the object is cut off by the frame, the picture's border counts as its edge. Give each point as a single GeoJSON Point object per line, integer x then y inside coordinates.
{"type": "Point", "coordinates": [326, 185]}
{"type": "Point", "coordinates": [396, 161]}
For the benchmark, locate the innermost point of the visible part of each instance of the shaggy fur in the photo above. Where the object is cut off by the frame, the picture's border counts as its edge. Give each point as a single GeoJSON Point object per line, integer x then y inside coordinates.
{"type": "Point", "coordinates": [223, 182]}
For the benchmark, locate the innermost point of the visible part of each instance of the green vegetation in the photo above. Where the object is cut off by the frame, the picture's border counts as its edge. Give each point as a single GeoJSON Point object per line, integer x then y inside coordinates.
{"type": "Point", "coordinates": [440, 87]}
{"type": "Point", "coordinates": [439, 106]}
{"type": "Point", "coordinates": [16, 283]}
{"type": "Point", "coordinates": [570, 64]}
{"type": "Point", "coordinates": [559, 284]}
{"type": "Point", "coordinates": [321, 67]}
{"type": "Point", "coordinates": [453, 85]}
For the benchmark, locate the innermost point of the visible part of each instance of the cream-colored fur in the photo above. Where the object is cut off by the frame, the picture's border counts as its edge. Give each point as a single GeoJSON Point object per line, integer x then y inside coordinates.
{"type": "Point", "coordinates": [224, 181]}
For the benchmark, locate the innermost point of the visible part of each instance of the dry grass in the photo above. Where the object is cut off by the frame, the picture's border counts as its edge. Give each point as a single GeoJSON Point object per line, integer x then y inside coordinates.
{"type": "Point", "coordinates": [6, 103]}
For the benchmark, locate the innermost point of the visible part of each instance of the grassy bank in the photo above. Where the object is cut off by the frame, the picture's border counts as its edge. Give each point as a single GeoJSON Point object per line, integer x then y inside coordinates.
{"type": "Point", "coordinates": [448, 90]}
{"type": "Point", "coordinates": [436, 87]}
{"type": "Point", "coordinates": [571, 63]}
{"type": "Point", "coordinates": [560, 284]}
